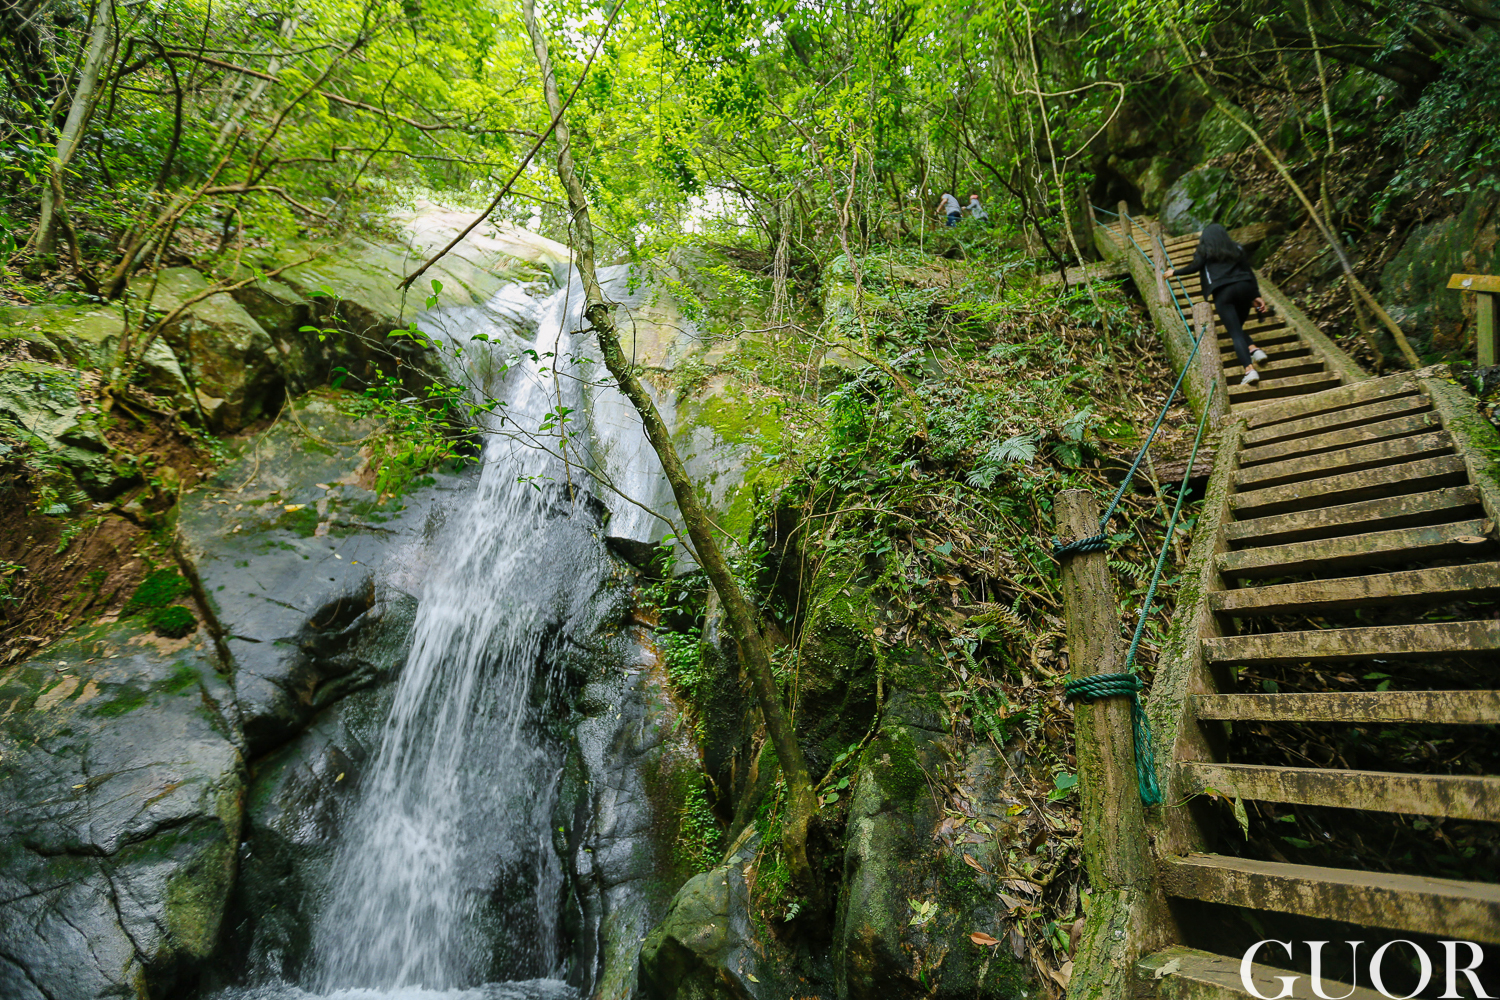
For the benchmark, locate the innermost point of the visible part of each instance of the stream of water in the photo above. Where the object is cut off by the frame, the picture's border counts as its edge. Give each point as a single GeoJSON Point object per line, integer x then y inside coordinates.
{"type": "Point", "coordinates": [446, 884]}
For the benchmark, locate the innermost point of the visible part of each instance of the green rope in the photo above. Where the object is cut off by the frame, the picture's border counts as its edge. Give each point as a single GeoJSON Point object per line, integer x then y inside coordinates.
{"type": "Point", "coordinates": [1100, 542]}
{"type": "Point", "coordinates": [1128, 684]}
{"type": "Point", "coordinates": [1125, 686]}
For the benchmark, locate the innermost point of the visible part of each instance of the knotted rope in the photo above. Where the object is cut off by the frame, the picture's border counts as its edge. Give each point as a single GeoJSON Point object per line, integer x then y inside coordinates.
{"type": "Point", "coordinates": [1125, 686]}
{"type": "Point", "coordinates": [1128, 684]}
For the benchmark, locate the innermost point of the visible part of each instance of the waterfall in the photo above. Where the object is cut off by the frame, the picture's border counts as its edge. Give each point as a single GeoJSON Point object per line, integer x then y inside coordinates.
{"type": "Point", "coordinates": [445, 882]}
{"type": "Point", "coordinates": [459, 796]}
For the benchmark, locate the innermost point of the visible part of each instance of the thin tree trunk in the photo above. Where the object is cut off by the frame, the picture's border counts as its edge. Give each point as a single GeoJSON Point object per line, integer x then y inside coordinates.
{"type": "Point", "coordinates": [754, 653]}
{"type": "Point", "coordinates": [72, 132]}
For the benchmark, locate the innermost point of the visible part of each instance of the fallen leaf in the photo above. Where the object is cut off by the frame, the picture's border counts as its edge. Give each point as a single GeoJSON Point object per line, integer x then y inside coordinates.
{"type": "Point", "coordinates": [1010, 901]}
{"type": "Point", "coordinates": [1470, 539]}
{"type": "Point", "coordinates": [1020, 886]}
{"type": "Point", "coordinates": [1168, 968]}
{"type": "Point", "coordinates": [321, 486]}
{"type": "Point", "coordinates": [1062, 975]}
{"type": "Point", "coordinates": [751, 976]}
{"type": "Point", "coordinates": [983, 940]}
{"type": "Point", "coordinates": [339, 778]}
{"type": "Point", "coordinates": [1075, 934]}
{"type": "Point", "coordinates": [295, 506]}
{"type": "Point", "coordinates": [969, 860]}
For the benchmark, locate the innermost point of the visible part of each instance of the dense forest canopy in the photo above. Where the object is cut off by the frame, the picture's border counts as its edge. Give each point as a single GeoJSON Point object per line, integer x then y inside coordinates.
{"type": "Point", "coordinates": [133, 132]}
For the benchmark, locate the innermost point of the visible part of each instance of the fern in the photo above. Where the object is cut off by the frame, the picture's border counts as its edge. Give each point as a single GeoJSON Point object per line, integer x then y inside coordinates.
{"type": "Point", "coordinates": [1004, 618]}
{"type": "Point", "coordinates": [1130, 569]}
{"type": "Point", "coordinates": [1017, 448]}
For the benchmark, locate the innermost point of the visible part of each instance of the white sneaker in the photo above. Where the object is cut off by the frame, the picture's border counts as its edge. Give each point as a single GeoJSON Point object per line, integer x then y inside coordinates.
{"type": "Point", "coordinates": [1257, 355]}
{"type": "Point", "coordinates": [1251, 377]}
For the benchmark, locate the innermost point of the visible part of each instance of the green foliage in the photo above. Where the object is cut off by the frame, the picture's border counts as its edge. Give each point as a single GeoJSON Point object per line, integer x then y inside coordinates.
{"type": "Point", "coordinates": [154, 601]}
{"type": "Point", "coordinates": [159, 589]}
{"type": "Point", "coordinates": [173, 622]}
{"type": "Point", "coordinates": [699, 838]}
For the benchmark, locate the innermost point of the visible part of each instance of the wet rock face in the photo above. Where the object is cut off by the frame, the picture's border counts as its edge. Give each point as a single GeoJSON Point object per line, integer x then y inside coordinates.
{"type": "Point", "coordinates": [613, 828]}
{"type": "Point", "coordinates": [883, 946]}
{"type": "Point", "coordinates": [119, 815]}
{"type": "Point", "coordinates": [297, 563]}
{"type": "Point", "coordinates": [297, 798]}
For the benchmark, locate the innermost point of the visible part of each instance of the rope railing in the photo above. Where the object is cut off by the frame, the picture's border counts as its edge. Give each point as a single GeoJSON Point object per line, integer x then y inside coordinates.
{"type": "Point", "coordinates": [1099, 541]}
{"type": "Point", "coordinates": [1127, 682]}
{"type": "Point", "coordinates": [1142, 251]}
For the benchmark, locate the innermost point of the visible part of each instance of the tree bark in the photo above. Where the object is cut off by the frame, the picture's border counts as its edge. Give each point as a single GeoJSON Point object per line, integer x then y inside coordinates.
{"type": "Point", "coordinates": [1116, 852]}
{"type": "Point", "coordinates": [72, 131]}
{"type": "Point", "coordinates": [738, 612]}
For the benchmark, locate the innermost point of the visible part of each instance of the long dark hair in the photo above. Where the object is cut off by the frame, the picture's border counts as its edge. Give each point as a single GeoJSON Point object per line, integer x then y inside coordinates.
{"type": "Point", "coordinates": [1216, 244]}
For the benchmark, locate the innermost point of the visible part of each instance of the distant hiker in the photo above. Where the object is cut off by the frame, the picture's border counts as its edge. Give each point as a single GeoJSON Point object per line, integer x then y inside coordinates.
{"type": "Point", "coordinates": [950, 207]}
{"type": "Point", "coordinates": [976, 210]}
{"type": "Point", "coordinates": [1229, 281]}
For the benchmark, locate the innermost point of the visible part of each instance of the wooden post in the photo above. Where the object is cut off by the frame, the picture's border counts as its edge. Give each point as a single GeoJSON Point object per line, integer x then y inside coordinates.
{"type": "Point", "coordinates": [1489, 347]}
{"type": "Point", "coordinates": [1124, 223]}
{"type": "Point", "coordinates": [1487, 295]}
{"type": "Point", "coordinates": [1116, 854]}
{"type": "Point", "coordinates": [1159, 258]}
{"type": "Point", "coordinates": [1211, 363]}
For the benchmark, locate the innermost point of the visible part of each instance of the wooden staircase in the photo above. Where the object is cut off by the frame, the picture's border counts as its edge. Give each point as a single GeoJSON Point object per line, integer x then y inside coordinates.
{"type": "Point", "coordinates": [1343, 591]}
{"type": "Point", "coordinates": [1292, 368]}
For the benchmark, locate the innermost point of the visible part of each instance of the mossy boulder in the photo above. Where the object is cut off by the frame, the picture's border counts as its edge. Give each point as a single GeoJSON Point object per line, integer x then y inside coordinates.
{"type": "Point", "coordinates": [1438, 321]}
{"type": "Point", "coordinates": [234, 363]}
{"type": "Point", "coordinates": [884, 946]}
{"type": "Point", "coordinates": [705, 947]}
{"type": "Point", "coordinates": [1199, 197]}
{"type": "Point", "coordinates": [119, 815]}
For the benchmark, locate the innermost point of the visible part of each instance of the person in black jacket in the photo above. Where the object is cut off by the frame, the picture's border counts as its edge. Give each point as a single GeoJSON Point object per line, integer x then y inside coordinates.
{"type": "Point", "coordinates": [1229, 281]}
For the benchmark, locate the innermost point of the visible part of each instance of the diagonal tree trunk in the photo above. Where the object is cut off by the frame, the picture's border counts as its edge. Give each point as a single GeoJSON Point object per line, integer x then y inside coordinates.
{"type": "Point", "coordinates": [72, 131]}
{"type": "Point", "coordinates": [754, 652]}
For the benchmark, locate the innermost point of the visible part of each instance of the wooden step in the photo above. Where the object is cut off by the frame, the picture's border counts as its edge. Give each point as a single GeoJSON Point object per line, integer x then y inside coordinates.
{"type": "Point", "coordinates": [1348, 437]}
{"type": "Point", "coordinates": [1365, 516]}
{"type": "Point", "coordinates": [1270, 389]}
{"type": "Point", "coordinates": [1455, 796]}
{"type": "Point", "coordinates": [1290, 350]}
{"type": "Point", "coordinates": [1338, 419]}
{"type": "Point", "coordinates": [1445, 907]}
{"type": "Point", "coordinates": [1342, 398]}
{"type": "Point", "coordinates": [1179, 973]}
{"type": "Point", "coordinates": [1278, 368]}
{"type": "Point", "coordinates": [1425, 474]}
{"type": "Point", "coordinates": [1352, 459]}
{"type": "Point", "coordinates": [1474, 582]}
{"type": "Point", "coordinates": [1451, 708]}
{"type": "Point", "coordinates": [1377, 548]}
{"type": "Point", "coordinates": [1388, 642]}
{"type": "Point", "coordinates": [1262, 335]}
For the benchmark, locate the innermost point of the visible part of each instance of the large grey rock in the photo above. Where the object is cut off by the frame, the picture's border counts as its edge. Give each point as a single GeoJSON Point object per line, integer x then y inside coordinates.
{"type": "Point", "coordinates": [119, 815]}
{"type": "Point", "coordinates": [880, 950]}
{"type": "Point", "coordinates": [617, 810]}
{"type": "Point", "coordinates": [298, 563]}
{"type": "Point", "coordinates": [234, 364]}
{"type": "Point", "coordinates": [297, 798]}
{"type": "Point", "coordinates": [706, 948]}
{"type": "Point", "coordinates": [1197, 198]}
{"type": "Point", "coordinates": [1414, 286]}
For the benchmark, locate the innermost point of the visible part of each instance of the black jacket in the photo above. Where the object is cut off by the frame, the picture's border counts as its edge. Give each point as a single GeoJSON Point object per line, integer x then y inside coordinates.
{"type": "Point", "coordinates": [1220, 274]}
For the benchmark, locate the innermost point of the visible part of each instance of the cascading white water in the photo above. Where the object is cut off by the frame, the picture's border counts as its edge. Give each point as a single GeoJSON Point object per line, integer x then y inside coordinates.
{"type": "Point", "coordinates": [459, 796]}
{"type": "Point", "coordinates": [445, 879]}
